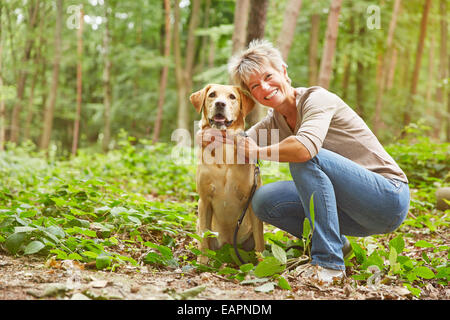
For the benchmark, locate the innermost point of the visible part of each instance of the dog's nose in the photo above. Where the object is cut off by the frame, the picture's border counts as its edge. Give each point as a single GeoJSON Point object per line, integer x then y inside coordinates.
{"type": "Point", "coordinates": [220, 104]}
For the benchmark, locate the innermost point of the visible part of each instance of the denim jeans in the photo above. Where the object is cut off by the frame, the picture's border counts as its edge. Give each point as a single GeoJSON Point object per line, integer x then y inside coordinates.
{"type": "Point", "coordinates": [348, 200]}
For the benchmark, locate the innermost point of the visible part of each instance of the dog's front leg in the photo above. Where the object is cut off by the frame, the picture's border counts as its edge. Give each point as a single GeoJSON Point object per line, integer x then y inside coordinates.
{"type": "Point", "coordinates": [258, 231]}
{"type": "Point", "coordinates": [203, 225]}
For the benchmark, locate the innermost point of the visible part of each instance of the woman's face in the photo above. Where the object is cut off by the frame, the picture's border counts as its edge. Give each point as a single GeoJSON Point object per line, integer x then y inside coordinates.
{"type": "Point", "coordinates": [269, 87]}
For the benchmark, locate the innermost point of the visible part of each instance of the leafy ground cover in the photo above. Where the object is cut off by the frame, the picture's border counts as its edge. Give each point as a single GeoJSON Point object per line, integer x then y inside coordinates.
{"type": "Point", "coordinates": [96, 219]}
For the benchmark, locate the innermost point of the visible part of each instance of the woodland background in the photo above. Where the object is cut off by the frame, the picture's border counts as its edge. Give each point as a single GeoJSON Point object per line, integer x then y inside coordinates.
{"type": "Point", "coordinates": [68, 82]}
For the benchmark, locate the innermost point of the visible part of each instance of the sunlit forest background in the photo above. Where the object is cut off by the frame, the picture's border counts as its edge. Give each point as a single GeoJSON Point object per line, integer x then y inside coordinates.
{"type": "Point", "coordinates": [73, 73]}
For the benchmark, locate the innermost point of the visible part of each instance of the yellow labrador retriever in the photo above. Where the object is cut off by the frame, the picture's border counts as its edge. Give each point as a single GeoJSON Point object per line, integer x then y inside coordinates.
{"type": "Point", "coordinates": [223, 184]}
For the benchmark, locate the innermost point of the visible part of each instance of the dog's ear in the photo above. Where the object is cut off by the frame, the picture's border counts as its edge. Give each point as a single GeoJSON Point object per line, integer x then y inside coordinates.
{"type": "Point", "coordinates": [198, 98]}
{"type": "Point", "coordinates": [247, 103]}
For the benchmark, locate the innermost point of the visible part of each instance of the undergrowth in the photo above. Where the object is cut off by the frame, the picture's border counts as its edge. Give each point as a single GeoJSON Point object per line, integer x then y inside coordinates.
{"type": "Point", "coordinates": [136, 205]}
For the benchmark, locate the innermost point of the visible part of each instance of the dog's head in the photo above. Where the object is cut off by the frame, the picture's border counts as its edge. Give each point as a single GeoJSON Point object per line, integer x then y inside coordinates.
{"type": "Point", "coordinates": [222, 106]}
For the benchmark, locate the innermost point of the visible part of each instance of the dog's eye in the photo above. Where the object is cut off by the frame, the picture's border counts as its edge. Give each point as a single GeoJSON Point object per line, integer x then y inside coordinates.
{"type": "Point", "coordinates": [212, 94]}
{"type": "Point", "coordinates": [232, 96]}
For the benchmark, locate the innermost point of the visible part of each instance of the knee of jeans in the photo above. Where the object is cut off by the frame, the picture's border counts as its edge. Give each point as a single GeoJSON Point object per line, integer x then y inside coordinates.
{"type": "Point", "coordinates": [397, 222]}
{"type": "Point", "coordinates": [298, 169]}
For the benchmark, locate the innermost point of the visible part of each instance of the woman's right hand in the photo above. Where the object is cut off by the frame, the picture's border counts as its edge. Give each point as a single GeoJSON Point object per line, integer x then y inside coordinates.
{"type": "Point", "coordinates": [205, 137]}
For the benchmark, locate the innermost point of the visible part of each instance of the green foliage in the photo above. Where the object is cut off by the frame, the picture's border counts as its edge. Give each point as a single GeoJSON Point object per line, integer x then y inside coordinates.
{"type": "Point", "coordinates": [424, 160]}
{"type": "Point", "coordinates": [134, 205]}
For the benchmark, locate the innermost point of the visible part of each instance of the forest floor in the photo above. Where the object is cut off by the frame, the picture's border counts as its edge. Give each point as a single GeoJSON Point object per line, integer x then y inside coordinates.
{"type": "Point", "coordinates": [33, 277]}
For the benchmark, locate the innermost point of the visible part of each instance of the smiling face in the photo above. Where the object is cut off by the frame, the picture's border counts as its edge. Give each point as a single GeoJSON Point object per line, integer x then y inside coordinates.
{"type": "Point", "coordinates": [269, 86]}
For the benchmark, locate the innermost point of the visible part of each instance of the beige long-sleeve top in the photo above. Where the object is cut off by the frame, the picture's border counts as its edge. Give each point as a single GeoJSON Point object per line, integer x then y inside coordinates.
{"type": "Point", "coordinates": [325, 121]}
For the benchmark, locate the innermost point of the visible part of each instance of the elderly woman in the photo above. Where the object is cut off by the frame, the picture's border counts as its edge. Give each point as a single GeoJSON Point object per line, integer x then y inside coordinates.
{"type": "Point", "coordinates": [358, 188]}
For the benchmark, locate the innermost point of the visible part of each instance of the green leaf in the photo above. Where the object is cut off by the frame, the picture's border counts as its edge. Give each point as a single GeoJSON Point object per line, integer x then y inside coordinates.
{"type": "Point", "coordinates": [246, 267]}
{"type": "Point", "coordinates": [311, 210]}
{"type": "Point", "coordinates": [423, 244]}
{"type": "Point", "coordinates": [414, 291]}
{"type": "Point", "coordinates": [398, 243]}
{"type": "Point", "coordinates": [34, 247]}
{"type": "Point", "coordinates": [424, 272]}
{"type": "Point", "coordinates": [15, 241]}
{"type": "Point", "coordinates": [24, 229]}
{"type": "Point", "coordinates": [268, 267]}
{"type": "Point", "coordinates": [90, 254]}
{"type": "Point", "coordinates": [283, 283]}
{"type": "Point", "coordinates": [102, 262]}
{"type": "Point", "coordinates": [279, 253]}
{"type": "Point", "coordinates": [359, 252]}
{"type": "Point", "coordinates": [306, 228]}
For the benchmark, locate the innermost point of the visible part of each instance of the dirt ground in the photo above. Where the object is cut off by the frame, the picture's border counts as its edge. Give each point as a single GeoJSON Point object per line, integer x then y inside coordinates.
{"type": "Point", "coordinates": [25, 278]}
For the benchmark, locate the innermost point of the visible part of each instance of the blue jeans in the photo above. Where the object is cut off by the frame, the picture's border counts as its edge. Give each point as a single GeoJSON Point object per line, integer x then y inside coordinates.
{"type": "Point", "coordinates": [348, 200]}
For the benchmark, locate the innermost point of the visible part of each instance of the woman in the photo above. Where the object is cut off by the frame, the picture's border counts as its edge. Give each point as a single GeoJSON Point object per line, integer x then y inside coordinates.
{"type": "Point", "coordinates": [358, 188]}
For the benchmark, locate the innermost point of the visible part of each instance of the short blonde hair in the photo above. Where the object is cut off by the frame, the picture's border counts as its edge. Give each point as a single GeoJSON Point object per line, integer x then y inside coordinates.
{"type": "Point", "coordinates": [259, 52]}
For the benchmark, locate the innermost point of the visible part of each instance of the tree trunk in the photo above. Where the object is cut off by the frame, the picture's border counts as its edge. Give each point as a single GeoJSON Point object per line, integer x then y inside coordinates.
{"type": "Point", "coordinates": [326, 65]}
{"type": "Point", "coordinates": [165, 71]}
{"type": "Point", "coordinates": [255, 30]}
{"type": "Point", "coordinates": [240, 25]}
{"type": "Point", "coordinates": [107, 81]}
{"type": "Point", "coordinates": [190, 46]}
{"type": "Point", "coordinates": [430, 85]}
{"type": "Point", "coordinates": [392, 66]}
{"type": "Point", "coordinates": [360, 80]}
{"type": "Point", "coordinates": [287, 32]}
{"type": "Point", "coordinates": [49, 111]}
{"type": "Point", "coordinates": [15, 119]}
{"type": "Point", "coordinates": [205, 39]}
{"type": "Point", "coordinates": [313, 49]}
{"type": "Point", "coordinates": [440, 92]}
{"type": "Point", "coordinates": [29, 118]}
{"type": "Point", "coordinates": [183, 115]}
{"type": "Point", "coordinates": [378, 123]}
{"type": "Point", "coordinates": [2, 102]}
{"type": "Point", "coordinates": [76, 124]}
{"type": "Point", "coordinates": [415, 77]}
{"type": "Point", "coordinates": [257, 20]}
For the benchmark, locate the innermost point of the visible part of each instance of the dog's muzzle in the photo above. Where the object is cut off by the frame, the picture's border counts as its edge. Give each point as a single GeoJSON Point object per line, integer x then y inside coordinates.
{"type": "Point", "coordinates": [219, 120]}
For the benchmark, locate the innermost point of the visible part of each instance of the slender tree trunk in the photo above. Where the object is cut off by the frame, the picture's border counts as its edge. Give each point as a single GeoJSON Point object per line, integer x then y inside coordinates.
{"type": "Point", "coordinates": [15, 119]}
{"type": "Point", "coordinates": [29, 118]}
{"type": "Point", "coordinates": [49, 111]}
{"type": "Point", "coordinates": [392, 67]}
{"type": "Point", "coordinates": [240, 25]}
{"type": "Point", "coordinates": [313, 48]}
{"type": "Point", "coordinates": [415, 77]}
{"type": "Point", "coordinates": [257, 20]}
{"type": "Point", "coordinates": [255, 30]}
{"type": "Point", "coordinates": [360, 80]}
{"type": "Point", "coordinates": [165, 71]}
{"type": "Point", "coordinates": [205, 39]}
{"type": "Point", "coordinates": [107, 92]}
{"type": "Point", "coordinates": [348, 64]}
{"type": "Point", "coordinates": [184, 74]}
{"type": "Point", "coordinates": [430, 85]}
{"type": "Point", "coordinates": [378, 123]}
{"type": "Point", "coordinates": [76, 124]}
{"type": "Point", "coordinates": [191, 39]}
{"type": "Point", "coordinates": [182, 117]}
{"type": "Point", "coordinates": [326, 64]}
{"type": "Point", "coordinates": [440, 92]}
{"type": "Point", "coordinates": [286, 35]}
{"type": "Point", "coordinates": [2, 102]}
